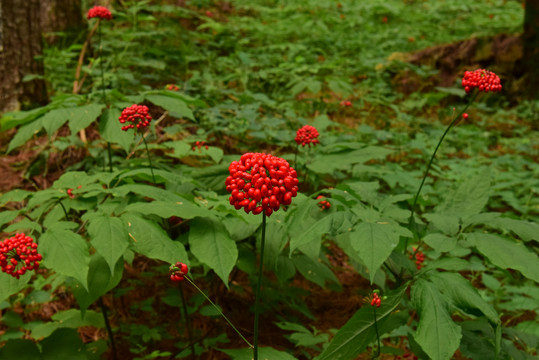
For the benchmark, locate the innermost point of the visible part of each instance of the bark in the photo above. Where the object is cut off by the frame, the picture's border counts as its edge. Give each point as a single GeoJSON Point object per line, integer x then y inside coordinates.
{"type": "Point", "coordinates": [19, 45]}
{"type": "Point", "coordinates": [61, 16]}
{"type": "Point", "coordinates": [530, 40]}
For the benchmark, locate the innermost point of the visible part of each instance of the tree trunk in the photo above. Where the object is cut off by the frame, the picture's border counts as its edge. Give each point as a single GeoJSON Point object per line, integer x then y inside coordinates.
{"type": "Point", "coordinates": [530, 41]}
{"type": "Point", "coordinates": [61, 16]}
{"type": "Point", "coordinates": [20, 43]}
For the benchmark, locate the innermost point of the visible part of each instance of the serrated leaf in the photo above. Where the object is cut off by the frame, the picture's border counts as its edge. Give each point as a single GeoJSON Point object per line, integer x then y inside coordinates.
{"type": "Point", "coordinates": [463, 294]}
{"type": "Point", "coordinates": [82, 116]}
{"type": "Point", "coordinates": [436, 332]}
{"type": "Point", "coordinates": [359, 331]}
{"type": "Point", "coordinates": [54, 119]}
{"type": "Point", "coordinates": [20, 349]}
{"type": "Point", "coordinates": [525, 230]}
{"type": "Point", "coordinates": [110, 129]}
{"type": "Point", "coordinates": [314, 270]}
{"type": "Point", "coordinates": [72, 318]}
{"type": "Point", "coordinates": [24, 133]}
{"type": "Point", "coordinates": [440, 242]}
{"type": "Point", "coordinates": [165, 209]}
{"type": "Point", "coordinates": [14, 195]}
{"type": "Point", "coordinates": [374, 243]}
{"type": "Point", "coordinates": [109, 237]}
{"type": "Point", "coordinates": [469, 198]}
{"type": "Point", "coordinates": [446, 223]}
{"type": "Point", "coordinates": [152, 241]}
{"type": "Point", "coordinates": [329, 223]}
{"type": "Point", "coordinates": [176, 107]}
{"type": "Point", "coordinates": [66, 253]}
{"type": "Point", "coordinates": [329, 163]}
{"type": "Point", "coordinates": [212, 245]}
{"type": "Point", "coordinates": [10, 285]}
{"type": "Point", "coordinates": [506, 254]}
{"type": "Point", "coordinates": [215, 153]}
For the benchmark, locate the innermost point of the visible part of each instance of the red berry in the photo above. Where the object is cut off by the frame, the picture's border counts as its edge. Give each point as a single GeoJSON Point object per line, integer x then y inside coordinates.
{"type": "Point", "coordinates": [18, 254]}
{"type": "Point", "coordinates": [307, 135]}
{"type": "Point", "coordinates": [99, 12]}
{"type": "Point", "coordinates": [465, 116]}
{"type": "Point", "coordinates": [481, 79]}
{"type": "Point", "coordinates": [137, 115]}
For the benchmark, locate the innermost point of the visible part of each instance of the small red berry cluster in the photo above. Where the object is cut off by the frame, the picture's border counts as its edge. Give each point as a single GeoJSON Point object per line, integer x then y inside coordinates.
{"type": "Point", "coordinates": [137, 115]}
{"type": "Point", "coordinates": [178, 271]}
{"type": "Point", "coordinates": [19, 254]}
{"type": "Point", "coordinates": [376, 300]}
{"type": "Point", "coordinates": [261, 182]}
{"type": "Point", "coordinates": [199, 145]}
{"type": "Point", "coordinates": [307, 135]}
{"type": "Point", "coordinates": [481, 79]}
{"type": "Point", "coordinates": [346, 103]}
{"type": "Point", "coordinates": [70, 192]}
{"type": "Point", "coordinates": [419, 258]}
{"type": "Point", "coordinates": [99, 12]}
{"type": "Point", "coordinates": [172, 87]}
{"type": "Point", "coordinates": [324, 204]}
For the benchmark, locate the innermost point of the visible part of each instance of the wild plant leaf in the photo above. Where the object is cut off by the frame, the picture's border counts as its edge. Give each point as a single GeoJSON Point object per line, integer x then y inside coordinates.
{"type": "Point", "coordinates": [264, 353]}
{"type": "Point", "coordinates": [506, 254]}
{"type": "Point", "coordinates": [176, 107]}
{"type": "Point", "coordinates": [72, 318]}
{"type": "Point", "coordinates": [66, 253]}
{"type": "Point", "coordinates": [328, 224]}
{"type": "Point", "coordinates": [24, 133]}
{"type": "Point", "coordinates": [314, 270]}
{"type": "Point", "coordinates": [20, 349]}
{"type": "Point", "coordinates": [436, 332]}
{"type": "Point", "coordinates": [446, 223]}
{"type": "Point", "coordinates": [82, 116]}
{"type": "Point", "coordinates": [110, 129]}
{"type": "Point", "coordinates": [63, 344]}
{"type": "Point", "coordinates": [146, 191]}
{"type": "Point", "coordinates": [10, 285]}
{"type": "Point", "coordinates": [469, 198]}
{"type": "Point", "coordinates": [359, 331]}
{"type": "Point", "coordinates": [524, 229]}
{"type": "Point", "coordinates": [109, 237]}
{"type": "Point", "coordinates": [212, 245]}
{"type": "Point", "coordinates": [440, 242]}
{"type": "Point", "coordinates": [165, 209]}
{"type": "Point", "coordinates": [54, 119]}
{"type": "Point", "coordinates": [150, 240]}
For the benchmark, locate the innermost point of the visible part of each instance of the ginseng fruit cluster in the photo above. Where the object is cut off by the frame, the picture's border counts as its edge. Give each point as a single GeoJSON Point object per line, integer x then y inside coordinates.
{"type": "Point", "coordinates": [18, 254]}
{"type": "Point", "coordinates": [137, 116]}
{"type": "Point", "coordinates": [261, 183]}
{"type": "Point", "coordinates": [481, 79]}
{"type": "Point", "coordinates": [99, 12]}
{"type": "Point", "coordinates": [376, 300]}
{"type": "Point", "coordinates": [307, 135]}
{"type": "Point", "coordinates": [178, 271]}
{"type": "Point", "coordinates": [324, 204]}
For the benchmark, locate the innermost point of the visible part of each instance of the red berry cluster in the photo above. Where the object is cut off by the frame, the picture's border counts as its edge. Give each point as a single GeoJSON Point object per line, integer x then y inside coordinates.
{"type": "Point", "coordinates": [481, 79]}
{"type": "Point", "coordinates": [419, 258]}
{"type": "Point", "coordinates": [346, 103]}
{"type": "Point", "coordinates": [376, 300]}
{"type": "Point", "coordinates": [261, 182]}
{"type": "Point", "coordinates": [307, 135]}
{"type": "Point", "coordinates": [19, 254]}
{"type": "Point", "coordinates": [172, 87]}
{"type": "Point", "coordinates": [99, 12]}
{"type": "Point", "coordinates": [70, 192]}
{"type": "Point", "coordinates": [137, 115]}
{"type": "Point", "coordinates": [199, 145]}
{"type": "Point", "coordinates": [324, 204]}
{"type": "Point", "coordinates": [178, 271]}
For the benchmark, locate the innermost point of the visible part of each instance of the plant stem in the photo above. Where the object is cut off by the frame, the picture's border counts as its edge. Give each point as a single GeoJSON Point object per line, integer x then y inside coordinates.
{"type": "Point", "coordinates": [149, 157]}
{"type": "Point", "coordinates": [63, 208]}
{"type": "Point", "coordinates": [109, 149]}
{"type": "Point", "coordinates": [219, 310]}
{"type": "Point", "coordinates": [187, 323]}
{"type": "Point", "coordinates": [257, 294]}
{"type": "Point", "coordinates": [411, 222]}
{"type": "Point", "coordinates": [103, 87]}
{"type": "Point", "coordinates": [296, 156]}
{"type": "Point", "coordinates": [377, 335]}
{"type": "Point", "coordinates": [109, 329]}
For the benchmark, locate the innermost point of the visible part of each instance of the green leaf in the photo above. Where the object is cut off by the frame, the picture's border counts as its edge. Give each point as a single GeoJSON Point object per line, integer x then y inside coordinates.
{"type": "Point", "coordinates": [314, 270]}
{"type": "Point", "coordinates": [212, 245]}
{"type": "Point", "coordinates": [176, 107]}
{"type": "Point", "coordinates": [148, 191]}
{"type": "Point", "coordinates": [7, 216]}
{"type": "Point", "coordinates": [359, 331]}
{"type": "Point", "coordinates": [100, 281]}
{"type": "Point", "coordinates": [17, 195]}
{"type": "Point", "coordinates": [470, 197]}
{"type": "Point", "coordinates": [327, 164]}
{"type": "Point", "coordinates": [463, 294]}
{"type": "Point", "coordinates": [20, 349]}
{"type": "Point", "coordinates": [525, 230]}
{"type": "Point", "coordinates": [66, 253]}
{"type": "Point", "coordinates": [152, 241]}
{"type": "Point", "coordinates": [215, 153]}
{"type": "Point", "coordinates": [440, 242]}
{"type": "Point", "coordinates": [54, 119]}
{"type": "Point", "coordinates": [72, 318]}
{"type": "Point", "coordinates": [24, 133]}
{"type": "Point", "coordinates": [436, 333]}
{"type": "Point", "coordinates": [10, 285]}
{"type": "Point", "coordinates": [506, 254]}
{"type": "Point", "coordinates": [109, 237]}
{"type": "Point", "coordinates": [183, 209]}
{"type": "Point", "coordinates": [111, 129]}
{"type": "Point", "coordinates": [264, 353]}
{"type": "Point", "coordinates": [82, 116]}
{"type": "Point", "coordinates": [63, 344]}
{"type": "Point", "coordinates": [446, 223]}
{"type": "Point", "coordinates": [374, 243]}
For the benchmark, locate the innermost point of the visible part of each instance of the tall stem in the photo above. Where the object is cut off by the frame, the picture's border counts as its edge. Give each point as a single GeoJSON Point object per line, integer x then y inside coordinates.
{"type": "Point", "coordinates": [376, 329]}
{"type": "Point", "coordinates": [109, 329]}
{"type": "Point", "coordinates": [411, 222]}
{"type": "Point", "coordinates": [109, 150]}
{"type": "Point", "coordinates": [257, 294]}
{"type": "Point", "coordinates": [187, 322]}
{"type": "Point", "coordinates": [149, 157]}
{"type": "Point", "coordinates": [219, 311]}
{"type": "Point", "coordinates": [296, 156]}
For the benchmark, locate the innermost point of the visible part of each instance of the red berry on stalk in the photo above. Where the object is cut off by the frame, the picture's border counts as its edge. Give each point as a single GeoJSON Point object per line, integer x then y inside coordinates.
{"type": "Point", "coordinates": [481, 79]}
{"type": "Point", "coordinates": [135, 116]}
{"type": "Point", "coordinates": [178, 271]}
{"type": "Point", "coordinates": [18, 254]}
{"type": "Point", "coordinates": [261, 182]}
{"type": "Point", "coordinates": [307, 135]}
{"type": "Point", "coordinates": [99, 12]}
{"type": "Point", "coordinates": [465, 116]}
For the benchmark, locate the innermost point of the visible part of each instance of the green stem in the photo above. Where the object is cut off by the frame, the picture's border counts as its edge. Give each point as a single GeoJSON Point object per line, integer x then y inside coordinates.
{"type": "Point", "coordinates": [101, 63]}
{"type": "Point", "coordinates": [63, 208]}
{"type": "Point", "coordinates": [411, 222]}
{"type": "Point", "coordinates": [109, 329]}
{"type": "Point", "coordinates": [187, 322]}
{"type": "Point", "coordinates": [377, 335]}
{"type": "Point", "coordinates": [219, 311]}
{"type": "Point", "coordinates": [257, 294]}
{"type": "Point", "coordinates": [296, 156]}
{"type": "Point", "coordinates": [109, 149]}
{"type": "Point", "coordinates": [149, 157]}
